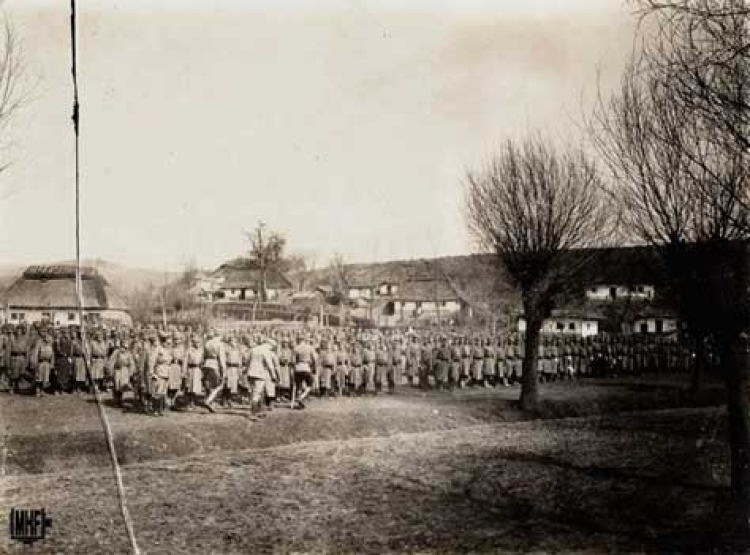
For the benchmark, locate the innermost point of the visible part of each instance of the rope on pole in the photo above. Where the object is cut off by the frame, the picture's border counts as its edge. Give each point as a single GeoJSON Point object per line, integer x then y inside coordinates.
{"type": "Point", "coordinates": [79, 296]}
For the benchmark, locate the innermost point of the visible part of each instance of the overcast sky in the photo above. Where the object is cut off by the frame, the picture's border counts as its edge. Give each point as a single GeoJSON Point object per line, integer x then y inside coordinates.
{"type": "Point", "coordinates": [346, 124]}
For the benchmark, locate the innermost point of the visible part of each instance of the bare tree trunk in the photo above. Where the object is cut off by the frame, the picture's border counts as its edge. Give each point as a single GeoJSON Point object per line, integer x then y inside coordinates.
{"type": "Point", "coordinates": [699, 368]}
{"type": "Point", "coordinates": [737, 382]}
{"type": "Point", "coordinates": [530, 384]}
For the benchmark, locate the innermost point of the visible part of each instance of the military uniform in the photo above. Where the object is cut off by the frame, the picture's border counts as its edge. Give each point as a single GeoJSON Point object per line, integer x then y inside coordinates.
{"type": "Point", "coordinates": [327, 359]}
{"type": "Point", "coordinates": [356, 373]}
{"type": "Point", "coordinates": [342, 369]}
{"type": "Point", "coordinates": [18, 351]}
{"type": "Point", "coordinates": [214, 368]}
{"type": "Point", "coordinates": [477, 365]}
{"type": "Point", "coordinates": [122, 364]}
{"type": "Point", "coordinates": [44, 361]}
{"type": "Point", "coordinates": [98, 351]}
{"type": "Point", "coordinates": [412, 361]}
{"type": "Point", "coordinates": [383, 361]}
{"type": "Point", "coordinates": [160, 363]}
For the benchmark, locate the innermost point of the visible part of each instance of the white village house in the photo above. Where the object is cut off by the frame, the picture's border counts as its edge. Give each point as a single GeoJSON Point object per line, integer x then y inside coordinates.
{"type": "Point", "coordinates": [48, 294]}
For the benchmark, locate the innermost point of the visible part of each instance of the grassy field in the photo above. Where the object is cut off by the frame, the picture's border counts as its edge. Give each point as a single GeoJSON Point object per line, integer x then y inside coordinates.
{"type": "Point", "coordinates": [613, 466]}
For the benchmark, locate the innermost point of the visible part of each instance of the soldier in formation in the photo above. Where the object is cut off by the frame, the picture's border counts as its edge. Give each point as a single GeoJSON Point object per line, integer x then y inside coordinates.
{"type": "Point", "coordinates": [190, 370]}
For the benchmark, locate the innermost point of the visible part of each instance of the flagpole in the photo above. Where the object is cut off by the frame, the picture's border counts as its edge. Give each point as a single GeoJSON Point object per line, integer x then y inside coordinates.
{"type": "Point", "coordinates": [79, 290]}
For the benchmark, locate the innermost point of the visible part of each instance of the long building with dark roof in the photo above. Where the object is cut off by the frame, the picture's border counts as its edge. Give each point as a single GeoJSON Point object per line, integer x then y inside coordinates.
{"type": "Point", "coordinates": [48, 293]}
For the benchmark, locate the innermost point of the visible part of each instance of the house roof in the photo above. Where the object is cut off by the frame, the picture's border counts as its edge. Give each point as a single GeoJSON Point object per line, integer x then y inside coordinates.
{"type": "Point", "coordinates": [582, 313]}
{"type": "Point", "coordinates": [622, 266]}
{"type": "Point", "coordinates": [651, 311]}
{"type": "Point", "coordinates": [426, 290]}
{"type": "Point", "coordinates": [60, 271]}
{"type": "Point", "coordinates": [54, 287]}
{"type": "Point", "coordinates": [243, 273]}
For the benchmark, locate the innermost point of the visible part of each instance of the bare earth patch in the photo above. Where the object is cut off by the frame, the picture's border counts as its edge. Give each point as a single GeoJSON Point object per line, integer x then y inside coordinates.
{"type": "Point", "coordinates": [601, 468]}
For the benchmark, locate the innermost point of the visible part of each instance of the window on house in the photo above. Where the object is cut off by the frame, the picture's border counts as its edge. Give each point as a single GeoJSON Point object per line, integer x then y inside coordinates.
{"type": "Point", "coordinates": [560, 326]}
{"type": "Point", "coordinates": [640, 289]}
{"type": "Point", "coordinates": [71, 316]}
{"type": "Point", "coordinates": [659, 326]}
{"type": "Point", "coordinates": [22, 316]}
{"type": "Point", "coordinates": [644, 327]}
{"type": "Point", "coordinates": [444, 303]}
{"type": "Point", "coordinates": [572, 326]}
{"type": "Point", "coordinates": [613, 292]}
{"type": "Point", "coordinates": [14, 316]}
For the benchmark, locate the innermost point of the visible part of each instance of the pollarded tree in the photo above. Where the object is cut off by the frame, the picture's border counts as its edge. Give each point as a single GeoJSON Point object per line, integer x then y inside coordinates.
{"type": "Point", "coordinates": [537, 207]}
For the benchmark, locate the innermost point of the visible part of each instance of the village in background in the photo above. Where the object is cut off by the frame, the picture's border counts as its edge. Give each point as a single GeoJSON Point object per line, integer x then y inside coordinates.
{"type": "Point", "coordinates": [622, 291]}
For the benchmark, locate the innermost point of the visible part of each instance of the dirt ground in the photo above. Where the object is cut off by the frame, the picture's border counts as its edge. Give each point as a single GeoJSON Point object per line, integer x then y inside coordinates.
{"type": "Point", "coordinates": [603, 466]}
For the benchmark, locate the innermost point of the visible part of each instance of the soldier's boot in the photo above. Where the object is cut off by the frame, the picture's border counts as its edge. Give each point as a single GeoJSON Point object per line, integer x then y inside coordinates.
{"type": "Point", "coordinates": [256, 409]}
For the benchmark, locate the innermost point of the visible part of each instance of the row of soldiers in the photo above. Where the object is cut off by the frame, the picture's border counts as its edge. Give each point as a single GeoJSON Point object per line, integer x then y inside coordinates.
{"type": "Point", "coordinates": [160, 366]}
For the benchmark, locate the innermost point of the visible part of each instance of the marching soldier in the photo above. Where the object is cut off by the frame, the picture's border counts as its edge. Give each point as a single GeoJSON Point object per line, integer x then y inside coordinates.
{"type": "Point", "coordinates": [286, 369]}
{"type": "Point", "coordinates": [305, 365]}
{"type": "Point", "coordinates": [259, 374]}
{"type": "Point", "coordinates": [214, 368]}
{"type": "Point", "coordinates": [234, 368]}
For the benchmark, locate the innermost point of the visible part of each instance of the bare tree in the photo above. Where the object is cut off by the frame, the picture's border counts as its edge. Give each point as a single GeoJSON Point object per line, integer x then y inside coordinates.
{"type": "Point", "coordinates": [676, 184]}
{"type": "Point", "coordinates": [702, 46]}
{"type": "Point", "coordinates": [14, 89]}
{"type": "Point", "coordinates": [297, 265]}
{"type": "Point", "coordinates": [266, 253]}
{"type": "Point", "coordinates": [340, 278]}
{"type": "Point", "coordinates": [533, 205]}
{"type": "Point", "coordinates": [674, 137]}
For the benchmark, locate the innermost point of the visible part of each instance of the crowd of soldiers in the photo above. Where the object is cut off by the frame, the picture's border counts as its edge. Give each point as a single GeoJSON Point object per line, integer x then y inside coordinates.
{"type": "Point", "coordinates": [185, 369]}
